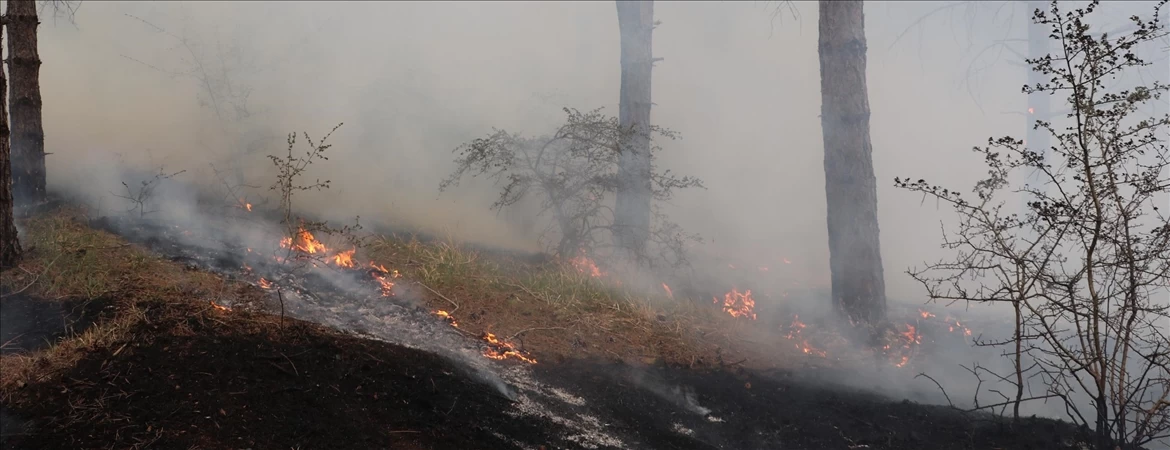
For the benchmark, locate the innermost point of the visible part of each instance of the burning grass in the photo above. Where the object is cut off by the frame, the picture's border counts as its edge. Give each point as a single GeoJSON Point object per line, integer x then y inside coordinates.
{"type": "Point", "coordinates": [554, 310]}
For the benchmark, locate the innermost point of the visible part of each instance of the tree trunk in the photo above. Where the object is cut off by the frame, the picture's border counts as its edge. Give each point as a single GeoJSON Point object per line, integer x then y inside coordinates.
{"type": "Point", "coordinates": [859, 289]}
{"type": "Point", "coordinates": [632, 208]}
{"type": "Point", "coordinates": [9, 244]}
{"type": "Point", "coordinates": [28, 135]}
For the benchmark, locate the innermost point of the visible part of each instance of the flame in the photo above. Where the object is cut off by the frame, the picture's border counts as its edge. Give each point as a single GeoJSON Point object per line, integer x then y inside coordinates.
{"type": "Point", "coordinates": [668, 291]}
{"type": "Point", "coordinates": [265, 284]}
{"type": "Point", "coordinates": [586, 266]}
{"type": "Point", "coordinates": [248, 206]}
{"type": "Point", "coordinates": [802, 344]}
{"type": "Point", "coordinates": [925, 314]}
{"type": "Point", "coordinates": [447, 316]}
{"type": "Point", "coordinates": [739, 304]}
{"type": "Point", "coordinates": [786, 261]}
{"type": "Point", "coordinates": [219, 307]}
{"type": "Point", "coordinates": [344, 259]}
{"type": "Point", "coordinates": [1031, 111]}
{"type": "Point", "coordinates": [383, 276]}
{"type": "Point", "coordinates": [498, 349]}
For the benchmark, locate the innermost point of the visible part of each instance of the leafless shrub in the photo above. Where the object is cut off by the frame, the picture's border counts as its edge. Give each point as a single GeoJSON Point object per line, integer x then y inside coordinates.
{"type": "Point", "coordinates": [290, 168]}
{"type": "Point", "coordinates": [1086, 267]}
{"type": "Point", "coordinates": [573, 174]}
{"type": "Point", "coordinates": [143, 192]}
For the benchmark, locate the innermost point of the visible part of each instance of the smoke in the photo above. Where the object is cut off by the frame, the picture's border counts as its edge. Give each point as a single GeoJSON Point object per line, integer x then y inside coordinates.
{"type": "Point", "coordinates": [188, 86]}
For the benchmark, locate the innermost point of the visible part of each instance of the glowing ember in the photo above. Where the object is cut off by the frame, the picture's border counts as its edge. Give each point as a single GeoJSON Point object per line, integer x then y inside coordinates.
{"type": "Point", "coordinates": [498, 349]}
{"type": "Point", "coordinates": [219, 307]}
{"type": "Point", "coordinates": [668, 291]}
{"type": "Point", "coordinates": [344, 259]}
{"type": "Point", "coordinates": [265, 284]}
{"type": "Point", "coordinates": [739, 304]}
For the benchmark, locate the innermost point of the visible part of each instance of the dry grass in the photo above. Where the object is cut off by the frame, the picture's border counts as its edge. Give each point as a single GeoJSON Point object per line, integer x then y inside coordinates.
{"type": "Point", "coordinates": [66, 259]}
{"type": "Point", "coordinates": [556, 310]}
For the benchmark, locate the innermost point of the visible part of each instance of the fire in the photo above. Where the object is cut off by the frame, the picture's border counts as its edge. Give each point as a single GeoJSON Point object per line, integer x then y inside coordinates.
{"type": "Point", "coordinates": [447, 316]}
{"type": "Point", "coordinates": [248, 206]}
{"type": "Point", "coordinates": [802, 344]}
{"type": "Point", "coordinates": [383, 276]}
{"type": "Point", "coordinates": [586, 266]}
{"type": "Point", "coordinates": [265, 284]}
{"type": "Point", "coordinates": [668, 291]}
{"type": "Point", "coordinates": [786, 261]}
{"type": "Point", "coordinates": [344, 259]}
{"type": "Point", "coordinates": [925, 314]}
{"type": "Point", "coordinates": [498, 349]}
{"type": "Point", "coordinates": [739, 304]}
{"type": "Point", "coordinates": [219, 307]}
{"type": "Point", "coordinates": [1031, 111]}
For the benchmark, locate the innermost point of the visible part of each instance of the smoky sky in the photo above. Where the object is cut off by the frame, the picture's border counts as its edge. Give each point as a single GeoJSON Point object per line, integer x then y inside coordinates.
{"type": "Point", "coordinates": [412, 80]}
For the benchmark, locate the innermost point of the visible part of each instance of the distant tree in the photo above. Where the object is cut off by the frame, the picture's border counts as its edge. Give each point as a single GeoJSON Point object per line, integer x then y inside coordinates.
{"type": "Point", "coordinates": [9, 243]}
{"type": "Point", "coordinates": [28, 134]}
{"type": "Point", "coordinates": [573, 173]}
{"type": "Point", "coordinates": [633, 207]}
{"type": "Point", "coordinates": [855, 260]}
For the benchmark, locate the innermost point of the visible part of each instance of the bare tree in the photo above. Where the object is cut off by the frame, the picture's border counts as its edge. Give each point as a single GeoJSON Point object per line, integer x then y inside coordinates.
{"type": "Point", "coordinates": [633, 207]}
{"type": "Point", "coordinates": [28, 134]}
{"type": "Point", "coordinates": [9, 243]}
{"type": "Point", "coordinates": [572, 174]}
{"type": "Point", "coordinates": [1086, 268]}
{"type": "Point", "coordinates": [858, 283]}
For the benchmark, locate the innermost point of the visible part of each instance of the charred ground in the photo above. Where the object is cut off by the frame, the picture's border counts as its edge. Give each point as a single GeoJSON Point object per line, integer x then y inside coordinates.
{"type": "Point", "coordinates": [163, 367]}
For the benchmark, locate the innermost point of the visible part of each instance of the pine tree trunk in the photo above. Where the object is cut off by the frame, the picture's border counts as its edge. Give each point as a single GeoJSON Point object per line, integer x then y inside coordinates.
{"type": "Point", "coordinates": [859, 289]}
{"type": "Point", "coordinates": [28, 136]}
{"type": "Point", "coordinates": [9, 244]}
{"type": "Point", "coordinates": [632, 208]}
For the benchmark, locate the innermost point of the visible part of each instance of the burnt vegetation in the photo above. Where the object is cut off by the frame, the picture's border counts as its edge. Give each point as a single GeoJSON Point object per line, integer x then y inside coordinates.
{"type": "Point", "coordinates": [230, 316]}
{"type": "Point", "coordinates": [1086, 266]}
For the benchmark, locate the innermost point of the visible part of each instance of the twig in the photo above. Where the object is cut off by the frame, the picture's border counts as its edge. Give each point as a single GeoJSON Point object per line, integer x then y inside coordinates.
{"type": "Point", "coordinates": [404, 431]}
{"type": "Point", "coordinates": [294, 366]}
{"type": "Point", "coordinates": [940, 388]}
{"type": "Point", "coordinates": [535, 329]}
{"type": "Point", "coordinates": [281, 297]}
{"type": "Point", "coordinates": [440, 296]}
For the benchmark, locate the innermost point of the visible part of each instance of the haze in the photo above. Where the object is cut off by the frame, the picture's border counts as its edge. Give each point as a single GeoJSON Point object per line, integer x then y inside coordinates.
{"type": "Point", "coordinates": [412, 81]}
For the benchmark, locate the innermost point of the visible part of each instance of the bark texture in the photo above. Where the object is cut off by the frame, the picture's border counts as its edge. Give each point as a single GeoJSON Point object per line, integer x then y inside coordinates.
{"type": "Point", "coordinates": [9, 244]}
{"type": "Point", "coordinates": [632, 208]}
{"type": "Point", "coordinates": [859, 288]}
{"type": "Point", "coordinates": [28, 135]}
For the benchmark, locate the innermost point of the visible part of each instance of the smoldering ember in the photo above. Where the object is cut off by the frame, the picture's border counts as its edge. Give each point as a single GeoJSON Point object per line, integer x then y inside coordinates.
{"type": "Point", "coordinates": [593, 225]}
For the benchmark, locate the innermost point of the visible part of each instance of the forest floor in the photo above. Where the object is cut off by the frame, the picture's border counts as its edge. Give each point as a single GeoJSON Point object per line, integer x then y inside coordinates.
{"type": "Point", "coordinates": [111, 338]}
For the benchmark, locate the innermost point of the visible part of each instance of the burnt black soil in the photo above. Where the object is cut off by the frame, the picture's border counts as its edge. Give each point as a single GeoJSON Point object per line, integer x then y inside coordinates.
{"type": "Point", "coordinates": [28, 323]}
{"type": "Point", "coordinates": [226, 383]}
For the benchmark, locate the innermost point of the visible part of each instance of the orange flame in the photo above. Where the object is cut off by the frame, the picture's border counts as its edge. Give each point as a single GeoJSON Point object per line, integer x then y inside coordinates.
{"type": "Point", "coordinates": [248, 206]}
{"type": "Point", "coordinates": [448, 317]}
{"type": "Point", "coordinates": [383, 276]}
{"type": "Point", "coordinates": [586, 266]}
{"type": "Point", "coordinates": [739, 304]}
{"type": "Point", "coordinates": [498, 349]}
{"type": "Point", "coordinates": [668, 291]}
{"type": "Point", "coordinates": [219, 307]}
{"type": "Point", "coordinates": [344, 259]}
{"type": "Point", "coordinates": [925, 314]}
{"type": "Point", "coordinates": [265, 284]}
